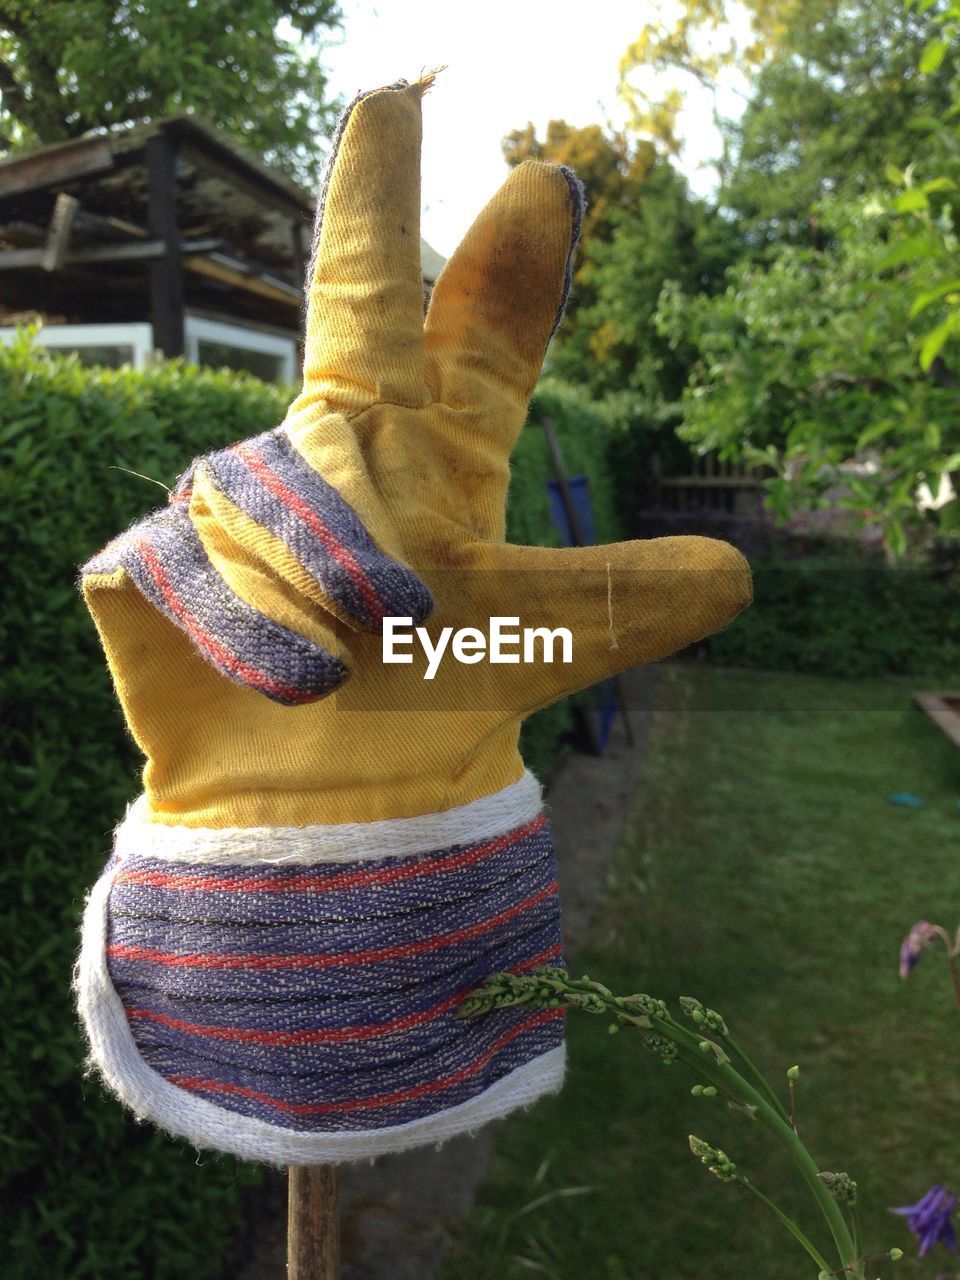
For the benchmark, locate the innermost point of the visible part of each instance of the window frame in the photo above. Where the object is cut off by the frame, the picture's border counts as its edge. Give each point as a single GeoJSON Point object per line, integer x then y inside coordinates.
{"type": "Point", "coordinates": [136, 335]}
{"type": "Point", "coordinates": [197, 329]}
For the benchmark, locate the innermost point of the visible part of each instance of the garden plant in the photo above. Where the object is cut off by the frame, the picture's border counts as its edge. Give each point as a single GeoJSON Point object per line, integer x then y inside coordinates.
{"type": "Point", "coordinates": [728, 1075]}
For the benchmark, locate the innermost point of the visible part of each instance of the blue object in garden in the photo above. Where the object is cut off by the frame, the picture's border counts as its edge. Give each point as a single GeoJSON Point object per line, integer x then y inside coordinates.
{"type": "Point", "coordinates": [580, 493]}
{"type": "Point", "coordinates": [579, 490]}
{"type": "Point", "coordinates": [906, 799]}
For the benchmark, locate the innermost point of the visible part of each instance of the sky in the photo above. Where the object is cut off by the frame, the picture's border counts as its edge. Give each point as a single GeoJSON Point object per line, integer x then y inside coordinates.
{"type": "Point", "coordinates": [508, 62]}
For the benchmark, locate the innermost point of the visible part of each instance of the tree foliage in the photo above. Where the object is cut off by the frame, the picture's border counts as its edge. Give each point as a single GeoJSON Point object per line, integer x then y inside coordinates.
{"type": "Point", "coordinates": [807, 318]}
{"type": "Point", "coordinates": [700, 38]}
{"type": "Point", "coordinates": [68, 67]}
{"type": "Point", "coordinates": [641, 228]}
{"type": "Point", "coordinates": [664, 234]}
{"type": "Point", "coordinates": [808, 364]}
{"type": "Point", "coordinates": [827, 112]}
{"type": "Point", "coordinates": [832, 86]}
{"type": "Point", "coordinates": [926, 233]}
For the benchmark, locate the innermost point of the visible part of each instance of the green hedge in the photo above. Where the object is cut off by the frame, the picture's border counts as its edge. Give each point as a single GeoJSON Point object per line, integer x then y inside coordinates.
{"type": "Point", "coordinates": [87, 1192]}
{"type": "Point", "coordinates": [846, 619]}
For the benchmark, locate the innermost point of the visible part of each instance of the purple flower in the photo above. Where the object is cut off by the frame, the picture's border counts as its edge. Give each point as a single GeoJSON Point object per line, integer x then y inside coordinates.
{"type": "Point", "coordinates": [929, 1219]}
{"type": "Point", "coordinates": [913, 945]}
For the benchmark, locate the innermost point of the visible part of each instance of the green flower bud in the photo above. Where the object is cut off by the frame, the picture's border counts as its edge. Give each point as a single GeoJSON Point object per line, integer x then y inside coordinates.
{"type": "Point", "coordinates": [841, 1186]}
{"type": "Point", "coordinates": [665, 1049]}
{"type": "Point", "coordinates": [709, 1046]}
{"type": "Point", "coordinates": [793, 1073]}
{"type": "Point", "coordinates": [895, 1255]}
{"type": "Point", "coordinates": [692, 1008]}
{"type": "Point", "coordinates": [715, 1023]}
{"type": "Point", "coordinates": [589, 1001]}
{"type": "Point", "coordinates": [471, 1007]}
{"type": "Point", "coordinates": [717, 1161]}
{"type": "Point", "coordinates": [702, 1016]}
{"type": "Point", "coordinates": [649, 1006]}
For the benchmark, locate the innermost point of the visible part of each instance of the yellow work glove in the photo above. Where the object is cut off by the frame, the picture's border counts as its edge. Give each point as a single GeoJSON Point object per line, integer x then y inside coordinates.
{"type": "Point", "coordinates": [332, 849]}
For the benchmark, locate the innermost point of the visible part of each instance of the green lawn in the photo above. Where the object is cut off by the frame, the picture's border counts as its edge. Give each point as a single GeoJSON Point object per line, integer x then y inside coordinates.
{"type": "Point", "coordinates": [764, 872]}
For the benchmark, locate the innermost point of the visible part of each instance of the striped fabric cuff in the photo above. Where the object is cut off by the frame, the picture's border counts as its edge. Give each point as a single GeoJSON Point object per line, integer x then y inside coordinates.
{"type": "Point", "coordinates": [303, 1011]}
{"type": "Point", "coordinates": [166, 560]}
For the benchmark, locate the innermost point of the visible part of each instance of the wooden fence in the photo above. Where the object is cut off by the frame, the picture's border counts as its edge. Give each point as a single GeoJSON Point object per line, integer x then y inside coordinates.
{"type": "Point", "coordinates": [712, 485]}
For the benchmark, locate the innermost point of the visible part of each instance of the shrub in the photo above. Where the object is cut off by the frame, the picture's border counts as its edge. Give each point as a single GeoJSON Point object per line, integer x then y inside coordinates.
{"type": "Point", "coordinates": [88, 1193]}
{"type": "Point", "coordinates": [845, 619]}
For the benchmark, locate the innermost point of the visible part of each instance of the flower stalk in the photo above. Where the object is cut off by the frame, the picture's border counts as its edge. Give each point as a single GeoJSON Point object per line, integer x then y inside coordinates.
{"type": "Point", "coordinates": [722, 1065]}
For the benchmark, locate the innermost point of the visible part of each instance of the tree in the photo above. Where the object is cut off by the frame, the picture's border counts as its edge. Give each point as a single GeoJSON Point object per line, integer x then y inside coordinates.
{"type": "Point", "coordinates": [827, 113]}
{"type": "Point", "coordinates": [830, 85]}
{"type": "Point", "coordinates": [809, 362]}
{"type": "Point", "coordinates": [925, 233]}
{"type": "Point", "coordinates": [69, 67]}
{"type": "Point", "coordinates": [701, 41]}
{"type": "Point", "coordinates": [611, 343]}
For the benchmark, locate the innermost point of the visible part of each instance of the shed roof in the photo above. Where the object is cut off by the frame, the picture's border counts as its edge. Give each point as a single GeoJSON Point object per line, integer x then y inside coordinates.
{"type": "Point", "coordinates": [225, 193]}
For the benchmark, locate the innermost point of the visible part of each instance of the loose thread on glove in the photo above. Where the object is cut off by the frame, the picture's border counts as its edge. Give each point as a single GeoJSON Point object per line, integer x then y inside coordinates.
{"type": "Point", "coordinates": [139, 474]}
{"type": "Point", "coordinates": [427, 77]}
{"type": "Point", "coordinates": [614, 642]}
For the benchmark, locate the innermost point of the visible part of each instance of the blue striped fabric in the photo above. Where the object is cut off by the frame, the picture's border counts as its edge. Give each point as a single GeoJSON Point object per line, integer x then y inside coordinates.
{"type": "Point", "coordinates": [320, 998]}
{"type": "Point", "coordinates": [268, 479]}
{"type": "Point", "coordinates": [275, 485]}
{"type": "Point", "coordinates": [165, 559]}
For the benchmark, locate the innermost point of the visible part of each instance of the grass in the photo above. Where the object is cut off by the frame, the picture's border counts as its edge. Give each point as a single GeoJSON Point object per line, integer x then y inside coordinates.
{"type": "Point", "coordinates": [763, 871]}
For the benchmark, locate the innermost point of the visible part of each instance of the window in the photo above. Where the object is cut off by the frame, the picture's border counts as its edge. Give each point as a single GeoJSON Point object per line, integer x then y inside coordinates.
{"type": "Point", "coordinates": [103, 344]}
{"type": "Point", "coordinates": [215, 343]}
{"type": "Point", "coordinates": [266, 355]}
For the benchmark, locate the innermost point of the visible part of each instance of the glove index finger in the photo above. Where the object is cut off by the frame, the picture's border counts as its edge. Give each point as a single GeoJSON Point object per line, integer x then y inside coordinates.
{"type": "Point", "coordinates": [364, 289]}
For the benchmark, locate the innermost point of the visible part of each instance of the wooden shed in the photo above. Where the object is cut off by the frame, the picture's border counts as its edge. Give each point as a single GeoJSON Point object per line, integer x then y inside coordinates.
{"type": "Point", "coordinates": [167, 236]}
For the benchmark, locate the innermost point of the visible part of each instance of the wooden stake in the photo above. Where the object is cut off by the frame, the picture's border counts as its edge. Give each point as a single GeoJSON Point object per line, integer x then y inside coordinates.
{"type": "Point", "coordinates": [313, 1227]}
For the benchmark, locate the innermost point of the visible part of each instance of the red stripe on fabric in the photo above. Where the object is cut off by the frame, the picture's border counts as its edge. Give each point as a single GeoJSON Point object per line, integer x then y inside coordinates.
{"type": "Point", "coordinates": [213, 960]}
{"type": "Point", "coordinates": [327, 1035]}
{"type": "Point", "coordinates": [195, 1085]}
{"type": "Point", "coordinates": [344, 880]}
{"type": "Point", "coordinates": [270, 480]}
{"type": "Point", "coordinates": [206, 642]}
